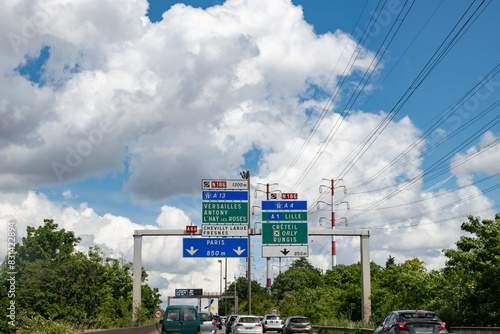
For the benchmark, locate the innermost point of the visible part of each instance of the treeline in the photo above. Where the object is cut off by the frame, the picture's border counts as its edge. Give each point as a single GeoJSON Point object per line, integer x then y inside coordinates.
{"type": "Point", "coordinates": [59, 290]}
{"type": "Point", "coordinates": [48, 287]}
{"type": "Point", "coordinates": [466, 292]}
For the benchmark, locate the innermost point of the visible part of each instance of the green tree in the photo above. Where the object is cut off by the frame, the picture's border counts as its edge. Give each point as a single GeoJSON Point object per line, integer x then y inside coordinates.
{"type": "Point", "coordinates": [301, 275]}
{"type": "Point", "coordinates": [60, 288]}
{"type": "Point", "coordinates": [472, 273]}
{"type": "Point", "coordinates": [46, 243]}
{"type": "Point", "coordinates": [401, 286]}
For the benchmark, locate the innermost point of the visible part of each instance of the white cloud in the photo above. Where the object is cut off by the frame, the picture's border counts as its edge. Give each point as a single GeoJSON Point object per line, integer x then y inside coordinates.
{"type": "Point", "coordinates": [166, 92]}
{"type": "Point", "coordinates": [67, 194]}
{"type": "Point", "coordinates": [486, 159]}
{"type": "Point", "coordinates": [161, 256]}
{"type": "Point", "coordinates": [171, 103]}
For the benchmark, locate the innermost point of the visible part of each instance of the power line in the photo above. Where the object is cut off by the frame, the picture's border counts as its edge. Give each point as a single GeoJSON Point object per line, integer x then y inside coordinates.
{"type": "Point", "coordinates": [354, 56]}
{"type": "Point", "coordinates": [389, 36]}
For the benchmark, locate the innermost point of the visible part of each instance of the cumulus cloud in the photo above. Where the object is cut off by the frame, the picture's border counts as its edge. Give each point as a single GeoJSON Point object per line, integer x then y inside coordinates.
{"type": "Point", "coordinates": [482, 158]}
{"type": "Point", "coordinates": [193, 90]}
{"type": "Point", "coordinates": [161, 256]}
{"type": "Point", "coordinates": [170, 103]}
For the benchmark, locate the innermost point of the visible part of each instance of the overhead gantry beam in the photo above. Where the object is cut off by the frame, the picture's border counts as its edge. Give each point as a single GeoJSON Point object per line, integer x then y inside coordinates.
{"type": "Point", "coordinates": [364, 250]}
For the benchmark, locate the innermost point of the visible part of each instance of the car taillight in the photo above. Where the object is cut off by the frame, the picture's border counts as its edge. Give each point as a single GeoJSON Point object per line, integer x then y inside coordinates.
{"type": "Point", "coordinates": [265, 322]}
{"type": "Point", "coordinates": [239, 325]}
{"type": "Point", "coordinates": [402, 326]}
{"type": "Point", "coordinates": [258, 325]}
{"type": "Point", "coordinates": [198, 329]}
{"type": "Point", "coordinates": [443, 326]}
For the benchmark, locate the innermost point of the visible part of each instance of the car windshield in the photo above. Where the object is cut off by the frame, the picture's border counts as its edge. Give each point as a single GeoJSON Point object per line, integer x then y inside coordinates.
{"type": "Point", "coordinates": [415, 316]}
{"type": "Point", "coordinates": [273, 317]}
{"type": "Point", "coordinates": [299, 320]}
{"type": "Point", "coordinates": [249, 320]}
{"type": "Point", "coordinates": [205, 316]}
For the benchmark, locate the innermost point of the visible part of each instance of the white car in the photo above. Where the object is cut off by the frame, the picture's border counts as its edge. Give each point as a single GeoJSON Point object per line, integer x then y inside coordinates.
{"type": "Point", "coordinates": [272, 322]}
{"type": "Point", "coordinates": [246, 324]}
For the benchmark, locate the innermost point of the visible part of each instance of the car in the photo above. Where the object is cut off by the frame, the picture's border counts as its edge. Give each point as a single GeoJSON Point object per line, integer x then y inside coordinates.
{"type": "Point", "coordinates": [246, 324]}
{"type": "Point", "coordinates": [218, 321]}
{"type": "Point", "coordinates": [229, 321]}
{"type": "Point", "coordinates": [272, 322]}
{"type": "Point", "coordinates": [207, 323]}
{"type": "Point", "coordinates": [180, 319]}
{"type": "Point", "coordinates": [412, 321]}
{"type": "Point", "coordinates": [297, 324]}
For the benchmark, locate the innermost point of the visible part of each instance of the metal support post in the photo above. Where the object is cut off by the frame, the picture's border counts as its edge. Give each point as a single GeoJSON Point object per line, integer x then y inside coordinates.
{"type": "Point", "coordinates": [137, 278]}
{"type": "Point", "coordinates": [365, 278]}
{"type": "Point", "coordinates": [246, 175]}
{"type": "Point", "coordinates": [225, 286]}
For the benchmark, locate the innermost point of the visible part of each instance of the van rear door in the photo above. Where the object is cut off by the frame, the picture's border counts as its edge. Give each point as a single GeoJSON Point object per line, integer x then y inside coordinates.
{"type": "Point", "coordinates": [179, 319]}
{"type": "Point", "coordinates": [190, 321]}
{"type": "Point", "coordinates": [172, 320]}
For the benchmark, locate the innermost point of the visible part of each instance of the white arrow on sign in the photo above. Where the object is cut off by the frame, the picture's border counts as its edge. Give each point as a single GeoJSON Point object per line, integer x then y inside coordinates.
{"type": "Point", "coordinates": [285, 250]}
{"type": "Point", "coordinates": [191, 251]}
{"type": "Point", "coordinates": [239, 251]}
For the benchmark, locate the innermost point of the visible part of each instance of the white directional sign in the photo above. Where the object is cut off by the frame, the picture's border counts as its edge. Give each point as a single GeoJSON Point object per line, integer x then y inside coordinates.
{"type": "Point", "coordinates": [226, 230]}
{"type": "Point", "coordinates": [240, 184]}
{"type": "Point", "coordinates": [285, 251]}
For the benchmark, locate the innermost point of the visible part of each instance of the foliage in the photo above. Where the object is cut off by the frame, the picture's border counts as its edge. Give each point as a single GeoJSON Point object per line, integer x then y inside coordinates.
{"type": "Point", "coordinates": [472, 294]}
{"type": "Point", "coordinates": [78, 290]}
{"type": "Point", "coordinates": [35, 323]}
{"type": "Point", "coordinates": [301, 275]}
{"type": "Point", "coordinates": [75, 290]}
{"type": "Point", "coordinates": [462, 293]}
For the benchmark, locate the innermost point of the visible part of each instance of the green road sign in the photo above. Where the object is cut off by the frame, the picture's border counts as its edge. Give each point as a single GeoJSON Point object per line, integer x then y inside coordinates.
{"type": "Point", "coordinates": [284, 233]}
{"type": "Point", "coordinates": [284, 216]}
{"type": "Point", "coordinates": [224, 212]}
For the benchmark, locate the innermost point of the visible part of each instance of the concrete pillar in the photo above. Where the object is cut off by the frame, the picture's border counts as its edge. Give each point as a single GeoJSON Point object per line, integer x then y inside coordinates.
{"type": "Point", "coordinates": [136, 288]}
{"type": "Point", "coordinates": [365, 279]}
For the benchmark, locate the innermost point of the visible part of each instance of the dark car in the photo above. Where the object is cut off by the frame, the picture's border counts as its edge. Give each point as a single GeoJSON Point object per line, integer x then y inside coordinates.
{"type": "Point", "coordinates": [218, 321]}
{"type": "Point", "coordinates": [412, 322]}
{"type": "Point", "coordinates": [297, 324]}
{"type": "Point", "coordinates": [229, 322]}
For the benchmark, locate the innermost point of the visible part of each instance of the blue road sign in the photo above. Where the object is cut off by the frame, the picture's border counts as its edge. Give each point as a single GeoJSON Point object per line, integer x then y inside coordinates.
{"type": "Point", "coordinates": [215, 247]}
{"type": "Point", "coordinates": [284, 205]}
{"type": "Point", "coordinates": [218, 195]}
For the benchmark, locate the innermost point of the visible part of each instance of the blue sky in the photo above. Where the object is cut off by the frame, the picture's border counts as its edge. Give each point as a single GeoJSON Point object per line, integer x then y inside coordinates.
{"type": "Point", "coordinates": [112, 117]}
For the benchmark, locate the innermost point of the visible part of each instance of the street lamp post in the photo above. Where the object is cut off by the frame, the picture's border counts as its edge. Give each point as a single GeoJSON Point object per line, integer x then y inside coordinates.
{"type": "Point", "coordinates": [220, 288]}
{"type": "Point", "coordinates": [225, 286]}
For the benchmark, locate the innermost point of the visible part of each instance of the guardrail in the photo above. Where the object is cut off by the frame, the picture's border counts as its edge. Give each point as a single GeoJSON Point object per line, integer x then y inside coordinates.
{"type": "Point", "coordinates": [452, 330]}
{"type": "Point", "coordinates": [475, 330]}
{"type": "Point", "coordinates": [148, 329]}
{"type": "Point", "coordinates": [321, 329]}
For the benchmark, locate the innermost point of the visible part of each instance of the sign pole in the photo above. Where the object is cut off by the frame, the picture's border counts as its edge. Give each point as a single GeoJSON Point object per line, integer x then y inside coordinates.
{"type": "Point", "coordinates": [246, 175]}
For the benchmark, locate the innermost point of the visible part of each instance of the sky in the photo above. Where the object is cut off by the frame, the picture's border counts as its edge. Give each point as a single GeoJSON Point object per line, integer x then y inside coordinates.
{"type": "Point", "coordinates": [113, 111]}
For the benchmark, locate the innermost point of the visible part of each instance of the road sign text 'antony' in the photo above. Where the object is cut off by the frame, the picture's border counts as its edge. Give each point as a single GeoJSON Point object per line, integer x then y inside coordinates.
{"type": "Point", "coordinates": [224, 212]}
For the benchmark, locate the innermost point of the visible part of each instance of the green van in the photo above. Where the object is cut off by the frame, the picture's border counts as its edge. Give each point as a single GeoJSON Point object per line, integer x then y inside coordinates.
{"type": "Point", "coordinates": [180, 319]}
